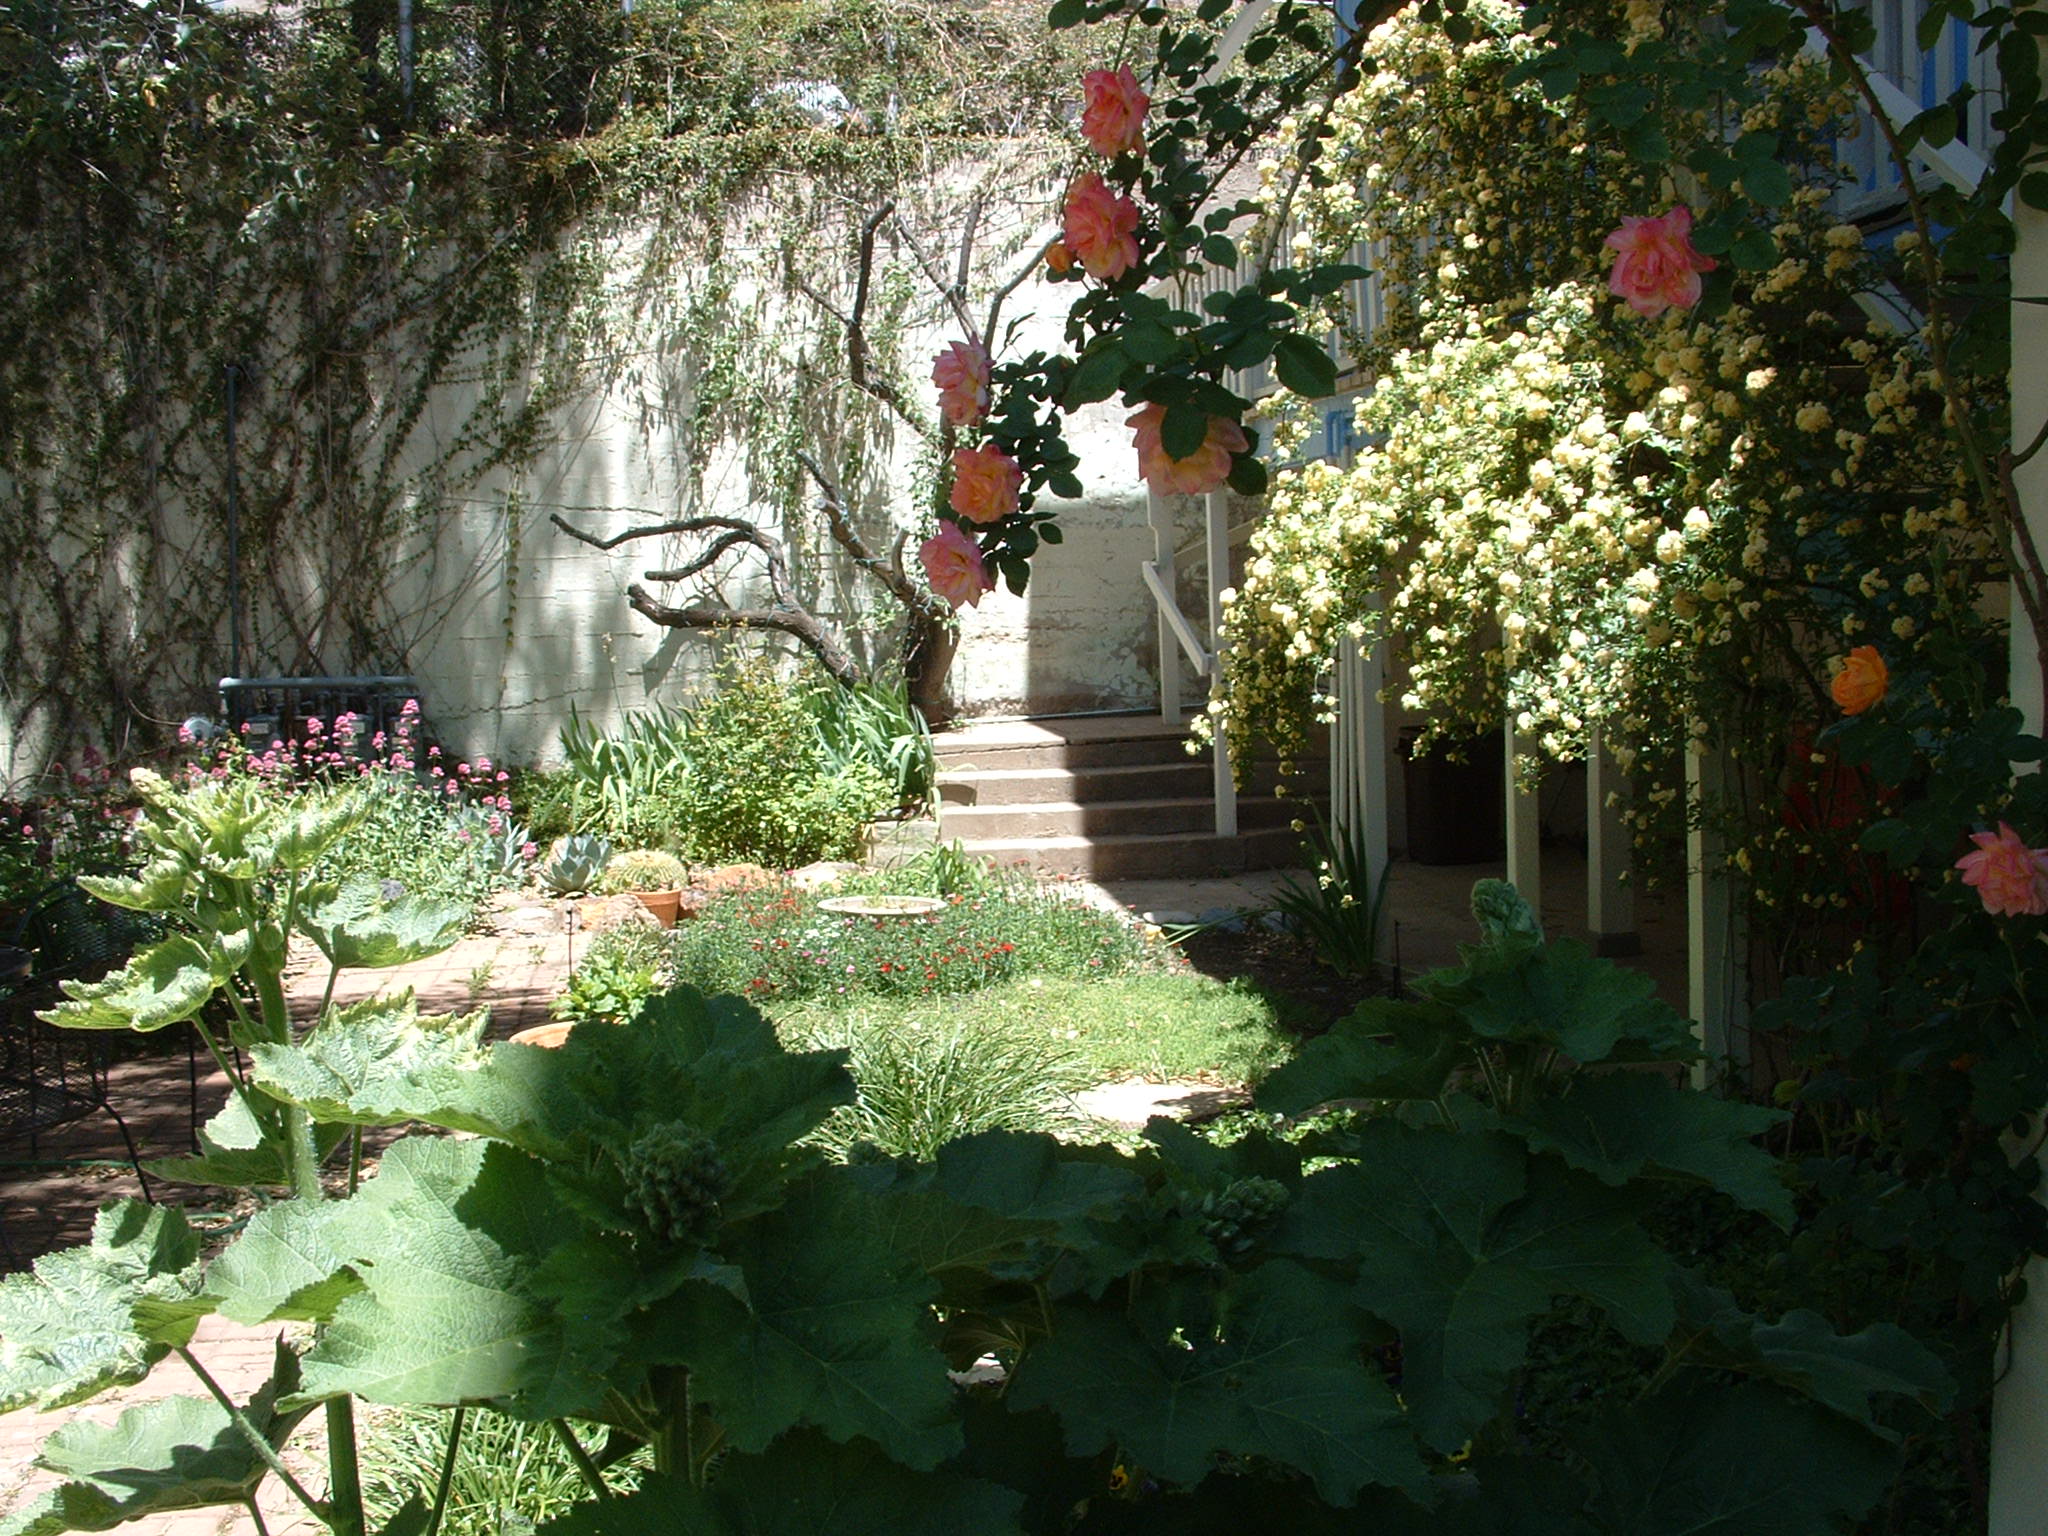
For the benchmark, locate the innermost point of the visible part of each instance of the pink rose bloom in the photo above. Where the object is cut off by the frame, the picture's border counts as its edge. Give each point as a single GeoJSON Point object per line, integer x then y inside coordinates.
{"type": "Point", "coordinates": [961, 372]}
{"type": "Point", "coordinates": [1203, 471]}
{"type": "Point", "coordinates": [1655, 266]}
{"type": "Point", "coordinates": [1101, 228]}
{"type": "Point", "coordinates": [1113, 111]}
{"type": "Point", "coordinates": [985, 484]}
{"type": "Point", "coordinates": [953, 565]}
{"type": "Point", "coordinates": [2011, 877]}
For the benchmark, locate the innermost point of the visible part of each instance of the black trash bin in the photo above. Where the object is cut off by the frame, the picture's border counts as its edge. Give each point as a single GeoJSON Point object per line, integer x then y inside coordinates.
{"type": "Point", "coordinates": [1457, 803]}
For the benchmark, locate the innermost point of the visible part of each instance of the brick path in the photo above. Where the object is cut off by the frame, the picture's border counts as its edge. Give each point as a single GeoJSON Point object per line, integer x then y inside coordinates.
{"type": "Point", "coordinates": [47, 1201]}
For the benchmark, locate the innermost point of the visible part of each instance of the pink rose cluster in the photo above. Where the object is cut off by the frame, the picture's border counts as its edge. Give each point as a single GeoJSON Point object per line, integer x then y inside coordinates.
{"type": "Point", "coordinates": [954, 567]}
{"type": "Point", "coordinates": [1101, 228]}
{"type": "Point", "coordinates": [962, 375]}
{"type": "Point", "coordinates": [1203, 471]}
{"type": "Point", "coordinates": [1113, 111]}
{"type": "Point", "coordinates": [1655, 265]}
{"type": "Point", "coordinates": [986, 483]}
{"type": "Point", "coordinates": [2011, 878]}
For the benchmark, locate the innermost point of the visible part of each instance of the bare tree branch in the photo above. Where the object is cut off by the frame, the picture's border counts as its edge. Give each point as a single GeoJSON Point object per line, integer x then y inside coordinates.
{"type": "Point", "coordinates": [955, 297]}
{"type": "Point", "coordinates": [890, 574]}
{"type": "Point", "coordinates": [805, 628]}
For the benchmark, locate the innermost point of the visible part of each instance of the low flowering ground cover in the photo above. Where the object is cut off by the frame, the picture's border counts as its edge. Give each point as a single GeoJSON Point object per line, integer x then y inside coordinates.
{"type": "Point", "coordinates": [776, 943]}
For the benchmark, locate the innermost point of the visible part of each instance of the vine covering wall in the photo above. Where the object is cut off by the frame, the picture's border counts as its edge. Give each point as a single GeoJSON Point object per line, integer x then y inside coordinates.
{"type": "Point", "coordinates": [416, 272]}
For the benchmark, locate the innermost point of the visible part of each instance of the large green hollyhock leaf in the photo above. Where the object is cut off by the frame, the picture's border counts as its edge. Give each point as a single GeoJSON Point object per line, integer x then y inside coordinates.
{"type": "Point", "coordinates": [803, 1485]}
{"type": "Point", "coordinates": [992, 1203]}
{"type": "Point", "coordinates": [1615, 1125]}
{"type": "Point", "coordinates": [1561, 995]}
{"type": "Point", "coordinates": [175, 1453]}
{"type": "Point", "coordinates": [164, 984]}
{"type": "Point", "coordinates": [235, 1152]}
{"type": "Point", "coordinates": [1801, 1351]}
{"type": "Point", "coordinates": [1459, 1240]}
{"type": "Point", "coordinates": [158, 888]}
{"type": "Point", "coordinates": [1730, 1461]}
{"type": "Point", "coordinates": [836, 1331]}
{"type": "Point", "coordinates": [86, 1319]}
{"type": "Point", "coordinates": [372, 1062]}
{"type": "Point", "coordinates": [1383, 1049]}
{"type": "Point", "coordinates": [283, 1266]}
{"type": "Point", "coordinates": [446, 1240]}
{"type": "Point", "coordinates": [359, 928]}
{"type": "Point", "coordinates": [1280, 1377]}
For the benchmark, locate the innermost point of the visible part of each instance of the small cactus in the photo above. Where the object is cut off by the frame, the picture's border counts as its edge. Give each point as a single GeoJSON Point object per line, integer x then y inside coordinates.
{"type": "Point", "coordinates": [643, 869]}
{"type": "Point", "coordinates": [574, 864]}
{"type": "Point", "coordinates": [674, 1181]}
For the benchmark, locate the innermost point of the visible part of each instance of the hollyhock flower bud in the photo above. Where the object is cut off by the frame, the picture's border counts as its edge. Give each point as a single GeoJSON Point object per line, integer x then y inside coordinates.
{"type": "Point", "coordinates": [961, 372]}
{"type": "Point", "coordinates": [1113, 111]}
{"type": "Point", "coordinates": [2010, 877]}
{"type": "Point", "coordinates": [953, 565]}
{"type": "Point", "coordinates": [1101, 228]}
{"type": "Point", "coordinates": [985, 484]}
{"type": "Point", "coordinates": [1862, 681]}
{"type": "Point", "coordinates": [1655, 266]}
{"type": "Point", "coordinates": [1203, 471]}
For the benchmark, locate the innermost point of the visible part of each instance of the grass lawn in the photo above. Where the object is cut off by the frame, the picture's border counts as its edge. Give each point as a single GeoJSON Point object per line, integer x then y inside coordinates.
{"type": "Point", "coordinates": [1142, 1024]}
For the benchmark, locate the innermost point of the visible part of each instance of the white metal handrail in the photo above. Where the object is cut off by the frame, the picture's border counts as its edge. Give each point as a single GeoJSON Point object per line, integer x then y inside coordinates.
{"type": "Point", "coordinates": [1176, 621]}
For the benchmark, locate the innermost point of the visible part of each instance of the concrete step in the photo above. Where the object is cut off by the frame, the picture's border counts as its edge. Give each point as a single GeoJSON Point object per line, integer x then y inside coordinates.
{"type": "Point", "coordinates": [1110, 818]}
{"type": "Point", "coordinates": [1188, 856]}
{"type": "Point", "coordinates": [1187, 778]}
{"type": "Point", "coordinates": [1085, 742]}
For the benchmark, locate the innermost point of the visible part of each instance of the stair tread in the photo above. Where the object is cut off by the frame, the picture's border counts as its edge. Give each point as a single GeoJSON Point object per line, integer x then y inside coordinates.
{"type": "Point", "coordinates": [1117, 839]}
{"type": "Point", "coordinates": [1053, 807]}
{"type": "Point", "coordinates": [967, 774]}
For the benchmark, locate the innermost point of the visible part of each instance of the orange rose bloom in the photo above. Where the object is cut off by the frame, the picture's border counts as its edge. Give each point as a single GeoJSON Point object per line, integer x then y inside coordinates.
{"type": "Point", "coordinates": [1058, 257]}
{"type": "Point", "coordinates": [1113, 115]}
{"type": "Point", "coordinates": [1202, 471]}
{"type": "Point", "coordinates": [953, 565]}
{"type": "Point", "coordinates": [986, 481]}
{"type": "Point", "coordinates": [1101, 228]}
{"type": "Point", "coordinates": [1862, 681]}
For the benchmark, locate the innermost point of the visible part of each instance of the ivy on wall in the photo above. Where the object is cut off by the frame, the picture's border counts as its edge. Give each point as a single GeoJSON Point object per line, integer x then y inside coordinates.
{"type": "Point", "coordinates": [466, 226]}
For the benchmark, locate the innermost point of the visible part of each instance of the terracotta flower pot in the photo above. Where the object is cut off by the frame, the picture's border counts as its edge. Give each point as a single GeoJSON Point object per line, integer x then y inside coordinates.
{"type": "Point", "coordinates": [663, 904]}
{"type": "Point", "coordinates": [548, 1035]}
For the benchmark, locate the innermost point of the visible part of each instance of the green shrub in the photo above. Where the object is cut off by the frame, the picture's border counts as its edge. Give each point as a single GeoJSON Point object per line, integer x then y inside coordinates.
{"type": "Point", "coordinates": [761, 785]}
{"type": "Point", "coordinates": [629, 786]}
{"type": "Point", "coordinates": [875, 723]}
{"type": "Point", "coordinates": [621, 969]}
{"type": "Point", "coordinates": [777, 943]}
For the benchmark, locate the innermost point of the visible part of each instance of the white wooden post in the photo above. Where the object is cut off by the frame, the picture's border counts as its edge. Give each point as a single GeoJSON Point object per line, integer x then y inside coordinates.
{"type": "Point", "coordinates": [1159, 513]}
{"type": "Point", "coordinates": [1218, 509]}
{"type": "Point", "coordinates": [1525, 832]}
{"type": "Point", "coordinates": [1715, 952]}
{"type": "Point", "coordinates": [1358, 752]}
{"type": "Point", "coordinates": [2019, 1410]}
{"type": "Point", "coordinates": [1610, 899]}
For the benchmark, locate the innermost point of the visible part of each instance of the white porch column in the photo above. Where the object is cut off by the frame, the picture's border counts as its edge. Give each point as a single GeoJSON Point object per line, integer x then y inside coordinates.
{"type": "Point", "coordinates": [2019, 1413]}
{"type": "Point", "coordinates": [1218, 509]}
{"type": "Point", "coordinates": [1716, 990]}
{"type": "Point", "coordinates": [1525, 839]}
{"type": "Point", "coordinates": [1610, 899]}
{"type": "Point", "coordinates": [1358, 752]}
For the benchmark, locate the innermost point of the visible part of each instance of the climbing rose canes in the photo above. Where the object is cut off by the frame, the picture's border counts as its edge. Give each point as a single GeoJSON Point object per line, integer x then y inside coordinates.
{"type": "Point", "coordinates": [985, 484]}
{"type": "Point", "coordinates": [961, 372]}
{"type": "Point", "coordinates": [1200, 472]}
{"type": "Point", "coordinates": [1862, 682]}
{"type": "Point", "coordinates": [1101, 228]}
{"type": "Point", "coordinates": [1655, 266]}
{"type": "Point", "coordinates": [953, 565]}
{"type": "Point", "coordinates": [1113, 111]}
{"type": "Point", "coordinates": [2011, 878]}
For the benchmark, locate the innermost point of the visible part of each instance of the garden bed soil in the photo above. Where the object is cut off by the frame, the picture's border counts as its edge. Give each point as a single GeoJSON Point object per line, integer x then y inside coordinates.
{"type": "Point", "coordinates": [1310, 996]}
